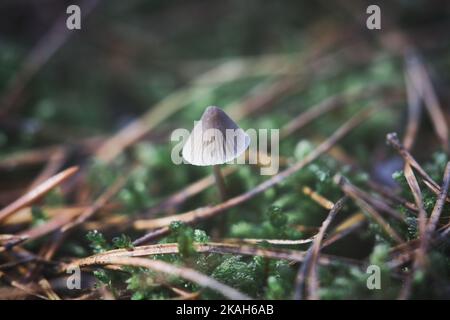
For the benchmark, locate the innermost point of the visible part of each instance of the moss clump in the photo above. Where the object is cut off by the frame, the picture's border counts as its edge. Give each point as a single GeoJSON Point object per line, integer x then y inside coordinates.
{"type": "Point", "coordinates": [245, 276]}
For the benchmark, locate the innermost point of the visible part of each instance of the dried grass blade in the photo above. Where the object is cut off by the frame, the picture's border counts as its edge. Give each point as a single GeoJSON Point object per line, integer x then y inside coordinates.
{"type": "Point", "coordinates": [414, 111]}
{"type": "Point", "coordinates": [309, 266]}
{"type": "Point", "coordinates": [346, 188]}
{"type": "Point", "coordinates": [422, 82]}
{"type": "Point", "coordinates": [182, 272]}
{"type": "Point", "coordinates": [36, 193]}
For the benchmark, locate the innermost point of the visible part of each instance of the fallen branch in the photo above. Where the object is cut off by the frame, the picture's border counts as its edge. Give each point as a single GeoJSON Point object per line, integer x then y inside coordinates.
{"type": "Point", "coordinates": [414, 107]}
{"type": "Point", "coordinates": [392, 139]}
{"type": "Point", "coordinates": [99, 202]}
{"type": "Point", "coordinates": [35, 194]}
{"type": "Point", "coordinates": [348, 190]}
{"type": "Point", "coordinates": [309, 266]}
{"type": "Point", "coordinates": [182, 272]}
{"type": "Point", "coordinates": [439, 205]}
{"type": "Point", "coordinates": [422, 84]}
{"type": "Point", "coordinates": [419, 256]}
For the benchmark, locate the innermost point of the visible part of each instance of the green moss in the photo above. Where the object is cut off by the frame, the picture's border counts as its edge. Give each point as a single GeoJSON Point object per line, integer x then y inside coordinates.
{"type": "Point", "coordinates": [97, 241]}
{"type": "Point", "coordinates": [38, 215]}
{"type": "Point", "coordinates": [245, 276]}
{"type": "Point", "coordinates": [122, 242]}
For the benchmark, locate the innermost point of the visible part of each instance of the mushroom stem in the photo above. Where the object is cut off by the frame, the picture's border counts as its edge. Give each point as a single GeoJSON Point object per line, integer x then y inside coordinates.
{"type": "Point", "coordinates": [220, 182]}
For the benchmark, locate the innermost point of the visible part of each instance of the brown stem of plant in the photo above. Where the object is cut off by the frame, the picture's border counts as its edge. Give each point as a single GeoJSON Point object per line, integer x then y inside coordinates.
{"type": "Point", "coordinates": [172, 270]}
{"type": "Point", "coordinates": [220, 182]}
{"type": "Point", "coordinates": [308, 271]}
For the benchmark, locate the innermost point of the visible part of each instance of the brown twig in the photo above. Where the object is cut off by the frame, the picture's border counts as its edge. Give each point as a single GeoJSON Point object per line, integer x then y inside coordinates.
{"type": "Point", "coordinates": [438, 207]}
{"type": "Point", "coordinates": [321, 200]}
{"type": "Point", "coordinates": [47, 288]}
{"type": "Point", "coordinates": [30, 289]}
{"type": "Point", "coordinates": [54, 163]}
{"type": "Point", "coordinates": [377, 203]}
{"type": "Point", "coordinates": [34, 157]}
{"type": "Point", "coordinates": [349, 190]}
{"type": "Point", "coordinates": [37, 193]}
{"type": "Point", "coordinates": [325, 106]}
{"type": "Point", "coordinates": [392, 139]}
{"type": "Point", "coordinates": [390, 194]}
{"type": "Point", "coordinates": [110, 192]}
{"type": "Point", "coordinates": [422, 84]}
{"type": "Point", "coordinates": [419, 257]}
{"type": "Point", "coordinates": [414, 108]}
{"type": "Point", "coordinates": [57, 222]}
{"type": "Point", "coordinates": [164, 267]}
{"type": "Point", "coordinates": [214, 247]}
{"type": "Point", "coordinates": [179, 197]}
{"type": "Point", "coordinates": [344, 228]}
{"type": "Point", "coordinates": [418, 198]}
{"type": "Point", "coordinates": [309, 266]}
{"type": "Point", "coordinates": [281, 242]}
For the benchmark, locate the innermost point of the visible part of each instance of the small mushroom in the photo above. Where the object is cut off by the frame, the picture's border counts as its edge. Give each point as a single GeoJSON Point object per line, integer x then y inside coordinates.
{"type": "Point", "coordinates": [215, 139]}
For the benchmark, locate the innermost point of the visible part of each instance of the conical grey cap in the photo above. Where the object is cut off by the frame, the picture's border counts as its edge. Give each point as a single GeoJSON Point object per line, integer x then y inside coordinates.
{"type": "Point", "coordinates": [215, 139]}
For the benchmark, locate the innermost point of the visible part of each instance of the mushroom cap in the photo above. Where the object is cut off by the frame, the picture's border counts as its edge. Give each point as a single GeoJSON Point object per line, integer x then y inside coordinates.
{"type": "Point", "coordinates": [215, 139]}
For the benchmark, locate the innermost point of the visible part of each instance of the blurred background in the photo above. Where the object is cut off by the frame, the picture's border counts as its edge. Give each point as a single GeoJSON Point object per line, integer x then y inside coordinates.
{"type": "Point", "coordinates": [76, 87]}
{"type": "Point", "coordinates": [56, 83]}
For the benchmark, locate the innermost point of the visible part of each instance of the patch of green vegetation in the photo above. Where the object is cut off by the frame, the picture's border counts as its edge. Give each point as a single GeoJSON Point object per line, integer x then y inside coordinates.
{"type": "Point", "coordinates": [38, 215]}
{"type": "Point", "coordinates": [97, 241]}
